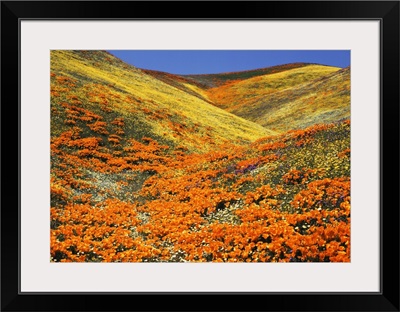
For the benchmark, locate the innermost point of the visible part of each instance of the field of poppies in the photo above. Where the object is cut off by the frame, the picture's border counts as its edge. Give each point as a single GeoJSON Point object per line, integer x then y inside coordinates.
{"type": "Point", "coordinates": [133, 181]}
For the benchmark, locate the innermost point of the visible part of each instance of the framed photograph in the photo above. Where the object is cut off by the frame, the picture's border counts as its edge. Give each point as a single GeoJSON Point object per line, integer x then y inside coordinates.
{"type": "Point", "coordinates": [165, 155]}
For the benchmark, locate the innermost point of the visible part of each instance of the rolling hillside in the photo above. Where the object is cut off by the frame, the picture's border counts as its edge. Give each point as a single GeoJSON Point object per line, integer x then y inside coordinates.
{"type": "Point", "coordinates": [216, 80]}
{"type": "Point", "coordinates": [322, 100]}
{"type": "Point", "coordinates": [147, 167]}
{"type": "Point", "coordinates": [280, 98]}
{"type": "Point", "coordinates": [90, 88]}
{"type": "Point", "coordinates": [235, 95]}
{"type": "Point", "coordinates": [180, 82]}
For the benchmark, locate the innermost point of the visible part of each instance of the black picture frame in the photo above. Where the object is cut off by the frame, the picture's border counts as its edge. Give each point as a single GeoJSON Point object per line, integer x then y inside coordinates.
{"type": "Point", "coordinates": [12, 12]}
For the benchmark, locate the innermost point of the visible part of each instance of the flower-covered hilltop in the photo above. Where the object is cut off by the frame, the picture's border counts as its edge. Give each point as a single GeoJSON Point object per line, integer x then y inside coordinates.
{"type": "Point", "coordinates": [145, 167]}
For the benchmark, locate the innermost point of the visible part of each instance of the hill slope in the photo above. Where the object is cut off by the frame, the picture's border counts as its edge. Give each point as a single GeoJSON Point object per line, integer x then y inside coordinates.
{"type": "Point", "coordinates": [237, 94]}
{"type": "Point", "coordinates": [215, 80]}
{"type": "Point", "coordinates": [280, 199]}
{"type": "Point", "coordinates": [323, 100]}
{"type": "Point", "coordinates": [180, 82]}
{"type": "Point", "coordinates": [280, 98]}
{"type": "Point", "coordinates": [93, 86]}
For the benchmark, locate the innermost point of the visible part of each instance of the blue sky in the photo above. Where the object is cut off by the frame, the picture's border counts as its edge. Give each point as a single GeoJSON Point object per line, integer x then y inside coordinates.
{"type": "Point", "coordinates": [218, 61]}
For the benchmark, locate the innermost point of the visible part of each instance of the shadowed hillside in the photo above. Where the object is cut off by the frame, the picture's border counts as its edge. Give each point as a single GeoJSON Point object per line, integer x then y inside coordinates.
{"type": "Point", "coordinates": [215, 80]}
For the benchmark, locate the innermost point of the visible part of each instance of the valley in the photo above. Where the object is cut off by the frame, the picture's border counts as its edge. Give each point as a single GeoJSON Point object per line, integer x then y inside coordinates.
{"type": "Point", "coordinates": [148, 166]}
